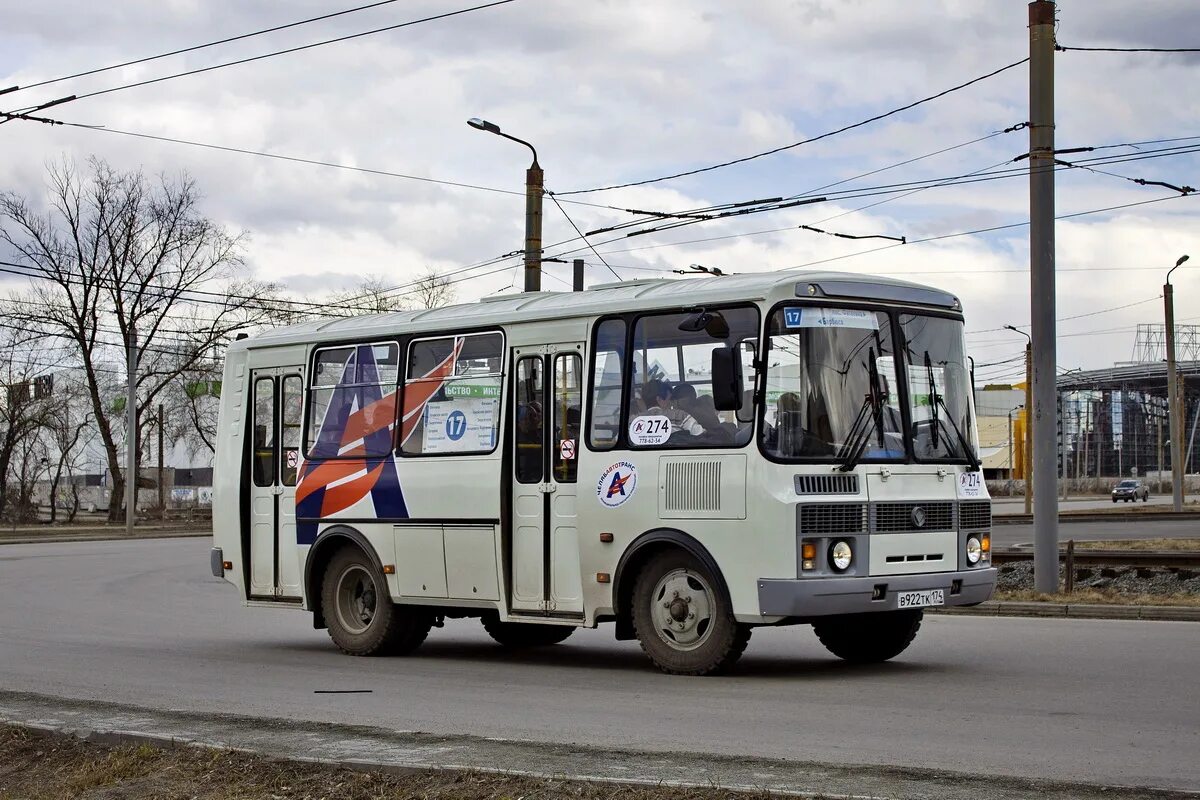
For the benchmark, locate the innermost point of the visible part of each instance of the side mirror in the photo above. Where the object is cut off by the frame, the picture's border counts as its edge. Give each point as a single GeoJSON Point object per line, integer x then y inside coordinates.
{"type": "Point", "coordinates": [727, 379]}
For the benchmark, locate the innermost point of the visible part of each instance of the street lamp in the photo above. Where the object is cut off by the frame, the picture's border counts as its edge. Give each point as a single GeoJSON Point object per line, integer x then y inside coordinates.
{"type": "Point", "coordinates": [1027, 461]}
{"type": "Point", "coordinates": [1173, 398]}
{"type": "Point", "coordinates": [533, 207]}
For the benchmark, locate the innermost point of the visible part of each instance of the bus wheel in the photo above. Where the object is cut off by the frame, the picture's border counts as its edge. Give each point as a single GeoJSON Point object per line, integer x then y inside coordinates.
{"type": "Point", "coordinates": [525, 634]}
{"type": "Point", "coordinates": [684, 624]}
{"type": "Point", "coordinates": [361, 617]}
{"type": "Point", "coordinates": [869, 638]}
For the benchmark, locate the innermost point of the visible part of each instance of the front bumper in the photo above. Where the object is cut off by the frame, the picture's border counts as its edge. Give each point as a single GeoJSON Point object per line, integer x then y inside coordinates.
{"type": "Point", "coordinates": [819, 597]}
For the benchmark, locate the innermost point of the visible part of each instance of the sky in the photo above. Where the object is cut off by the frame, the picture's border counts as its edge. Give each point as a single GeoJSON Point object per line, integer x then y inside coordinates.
{"type": "Point", "coordinates": [621, 91]}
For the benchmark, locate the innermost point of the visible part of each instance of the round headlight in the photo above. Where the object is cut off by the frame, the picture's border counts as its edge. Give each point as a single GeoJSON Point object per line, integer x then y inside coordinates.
{"type": "Point", "coordinates": [840, 555]}
{"type": "Point", "coordinates": [974, 549]}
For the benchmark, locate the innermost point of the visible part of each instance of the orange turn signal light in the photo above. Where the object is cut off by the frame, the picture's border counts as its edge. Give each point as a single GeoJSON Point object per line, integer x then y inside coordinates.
{"type": "Point", "coordinates": [226, 565]}
{"type": "Point", "coordinates": [603, 577]}
{"type": "Point", "coordinates": [389, 569]}
{"type": "Point", "coordinates": [606, 537]}
{"type": "Point", "coordinates": [808, 551]}
{"type": "Point", "coordinates": [985, 543]}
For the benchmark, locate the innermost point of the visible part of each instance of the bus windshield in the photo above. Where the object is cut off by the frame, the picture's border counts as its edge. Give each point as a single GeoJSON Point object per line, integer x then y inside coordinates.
{"type": "Point", "coordinates": [831, 386]}
{"type": "Point", "coordinates": [939, 388]}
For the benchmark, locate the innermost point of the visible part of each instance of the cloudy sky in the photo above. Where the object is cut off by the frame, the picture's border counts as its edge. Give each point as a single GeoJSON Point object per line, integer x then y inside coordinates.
{"type": "Point", "coordinates": [618, 91]}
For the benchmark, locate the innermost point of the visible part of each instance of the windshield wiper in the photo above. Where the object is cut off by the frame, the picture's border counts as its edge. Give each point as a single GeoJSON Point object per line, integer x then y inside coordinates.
{"type": "Point", "coordinates": [968, 451]}
{"type": "Point", "coordinates": [936, 401]}
{"type": "Point", "coordinates": [859, 435]}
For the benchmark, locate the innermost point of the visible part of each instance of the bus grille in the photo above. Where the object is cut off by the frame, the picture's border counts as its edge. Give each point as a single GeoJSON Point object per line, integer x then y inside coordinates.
{"type": "Point", "coordinates": [692, 486]}
{"type": "Point", "coordinates": [826, 484]}
{"type": "Point", "coordinates": [904, 517]}
{"type": "Point", "coordinates": [975, 515]}
{"type": "Point", "coordinates": [829, 519]}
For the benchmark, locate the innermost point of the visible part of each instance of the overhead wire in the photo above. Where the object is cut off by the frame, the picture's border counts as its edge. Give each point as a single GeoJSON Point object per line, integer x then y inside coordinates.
{"type": "Point", "coordinates": [809, 140]}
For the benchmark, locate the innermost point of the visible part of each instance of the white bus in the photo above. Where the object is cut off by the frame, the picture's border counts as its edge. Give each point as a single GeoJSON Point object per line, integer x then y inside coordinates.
{"type": "Point", "coordinates": [688, 459]}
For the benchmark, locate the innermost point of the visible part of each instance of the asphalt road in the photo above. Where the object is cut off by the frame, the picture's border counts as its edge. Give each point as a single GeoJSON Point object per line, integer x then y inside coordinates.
{"type": "Point", "coordinates": [1082, 700]}
{"type": "Point", "coordinates": [1002, 504]}
{"type": "Point", "coordinates": [1006, 535]}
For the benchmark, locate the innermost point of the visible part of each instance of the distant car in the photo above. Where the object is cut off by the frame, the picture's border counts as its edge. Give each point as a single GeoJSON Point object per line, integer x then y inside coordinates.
{"type": "Point", "coordinates": [1131, 490]}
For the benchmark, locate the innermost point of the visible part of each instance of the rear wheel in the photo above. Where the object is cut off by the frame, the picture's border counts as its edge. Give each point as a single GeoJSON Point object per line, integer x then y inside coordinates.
{"type": "Point", "coordinates": [684, 622]}
{"type": "Point", "coordinates": [525, 634]}
{"type": "Point", "coordinates": [869, 638]}
{"type": "Point", "coordinates": [360, 614]}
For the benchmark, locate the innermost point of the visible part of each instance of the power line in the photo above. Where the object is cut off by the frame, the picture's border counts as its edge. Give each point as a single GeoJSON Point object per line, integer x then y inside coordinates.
{"type": "Point", "coordinates": [875, 118]}
{"type": "Point", "coordinates": [1061, 48]}
{"type": "Point", "coordinates": [193, 48]}
{"type": "Point", "coordinates": [585, 239]}
{"type": "Point", "coordinates": [292, 49]}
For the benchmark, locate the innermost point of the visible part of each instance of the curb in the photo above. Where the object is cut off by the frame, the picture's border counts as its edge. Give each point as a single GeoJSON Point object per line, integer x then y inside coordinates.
{"type": "Point", "coordinates": [1012, 608]}
{"type": "Point", "coordinates": [1067, 517]}
{"type": "Point", "coordinates": [104, 537]}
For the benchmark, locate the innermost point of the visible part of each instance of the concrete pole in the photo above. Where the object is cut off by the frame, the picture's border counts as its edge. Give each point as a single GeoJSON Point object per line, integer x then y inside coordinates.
{"type": "Point", "coordinates": [1159, 426]}
{"type": "Point", "coordinates": [577, 275]}
{"type": "Point", "coordinates": [1042, 293]}
{"type": "Point", "coordinates": [131, 432]}
{"type": "Point", "coordinates": [162, 496]}
{"type": "Point", "coordinates": [533, 227]}
{"type": "Point", "coordinates": [1176, 425]}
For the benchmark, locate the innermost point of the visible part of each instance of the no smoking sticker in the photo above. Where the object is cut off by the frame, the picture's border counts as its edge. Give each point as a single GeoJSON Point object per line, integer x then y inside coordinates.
{"type": "Point", "coordinates": [566, 449]}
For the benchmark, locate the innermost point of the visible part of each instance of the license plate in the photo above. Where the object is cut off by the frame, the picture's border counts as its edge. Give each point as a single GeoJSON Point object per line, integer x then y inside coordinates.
{"type": "Point", "coordinates": [919, 599]}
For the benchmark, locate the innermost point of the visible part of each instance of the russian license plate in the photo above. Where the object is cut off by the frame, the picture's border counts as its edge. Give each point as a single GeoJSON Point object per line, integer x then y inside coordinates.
{"type": "Point", "coordinates": [921, 598]}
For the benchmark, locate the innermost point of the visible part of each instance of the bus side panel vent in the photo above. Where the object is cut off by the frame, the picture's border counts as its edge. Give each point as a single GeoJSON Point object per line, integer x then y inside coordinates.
{"type": "Point", "coordinates": [702, 487]}
{"type": "Point", "coordinates": [826, 484]}
{"type": "Point", "coordinates": [832, 519]}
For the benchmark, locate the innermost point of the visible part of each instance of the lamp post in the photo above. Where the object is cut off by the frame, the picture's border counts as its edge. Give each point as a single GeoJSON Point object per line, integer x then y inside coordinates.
{"type": "Point", "coordinates": [533, 207]}
{"type": "Point", "coordinates": [1176, 413]}
{"type": "Point", "coordinates": [1027, 460]}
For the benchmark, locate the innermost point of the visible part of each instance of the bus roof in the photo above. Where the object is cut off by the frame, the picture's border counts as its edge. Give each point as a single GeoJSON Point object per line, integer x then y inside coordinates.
{"type": "Point", "coordinates": [612, 298]}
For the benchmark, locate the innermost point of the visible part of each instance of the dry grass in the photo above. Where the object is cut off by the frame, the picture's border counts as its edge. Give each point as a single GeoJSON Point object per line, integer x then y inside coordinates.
{"type": "Point", "coordinates": [35, 766]}
{"type": "Point", "coordinates": [1098, 597]}
{"type": "Point", "coordinates": [1174, 545]}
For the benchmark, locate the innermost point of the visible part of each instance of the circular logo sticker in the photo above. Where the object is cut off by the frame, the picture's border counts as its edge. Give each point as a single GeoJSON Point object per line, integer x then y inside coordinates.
{"type": "Point", "coordinates": [456, 425]}
{"type": "Point", "coordinates": [617, 484]}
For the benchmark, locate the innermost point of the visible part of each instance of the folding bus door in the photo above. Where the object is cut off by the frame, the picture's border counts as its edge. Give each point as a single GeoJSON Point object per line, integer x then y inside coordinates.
{"type": "Point", "coordinates": [274, 464]}
{"type": "Point", "coordinates": [546, 415]}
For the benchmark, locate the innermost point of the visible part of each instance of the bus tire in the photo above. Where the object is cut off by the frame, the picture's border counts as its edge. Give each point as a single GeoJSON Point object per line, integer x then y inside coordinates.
{"type": "Point", "coordinates": [361, 617]}
{"type": "Point", "coordinates": [682, 618]}
{"type": "Point", "coordinates": [869, 638]}
{"type": "Point", "coordinates": [519, 635]}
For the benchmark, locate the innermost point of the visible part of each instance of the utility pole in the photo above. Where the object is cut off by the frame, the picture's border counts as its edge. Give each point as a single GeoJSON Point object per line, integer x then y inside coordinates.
{"type": "Point", "coordinates": [1159, 421]}
{"type": "Point", "coordinates": [534, 186]}
{"type": "Point", "coordinates": [1176, 422]}
{"type": "Point", "coordinates": [162, 497]}
{"type": "Point", "coordinates": [131, 432]}
{"type": "Point", "coordinates": [1041, 290]}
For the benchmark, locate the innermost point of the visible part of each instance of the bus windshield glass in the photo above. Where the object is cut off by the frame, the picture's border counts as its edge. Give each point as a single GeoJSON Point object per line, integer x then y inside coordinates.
{"type": "Point", "coordinates": [939, 389]}
{"type": "Point", "coordinates": [831, 390]}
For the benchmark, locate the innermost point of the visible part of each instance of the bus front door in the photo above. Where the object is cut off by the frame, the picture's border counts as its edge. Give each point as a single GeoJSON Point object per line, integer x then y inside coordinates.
{"type": "Point", "coordinates": [275, 460]}
{"type": "Point", "coordinates": [546, 417]}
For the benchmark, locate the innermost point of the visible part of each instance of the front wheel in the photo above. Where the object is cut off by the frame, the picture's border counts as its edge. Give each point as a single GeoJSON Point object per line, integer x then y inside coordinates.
{"type": "Point", "coordinates": [683, 620]}
{"type": "Point", "coordinates": [360, 614]}
{"type": "Point", "coordinates": [518, 635]}
{"type": "Point", "coordinates": [869, 638]}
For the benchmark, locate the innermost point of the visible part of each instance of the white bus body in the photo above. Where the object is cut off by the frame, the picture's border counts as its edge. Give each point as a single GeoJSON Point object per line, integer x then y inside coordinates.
{"type": "Point", "coordinates": [555, 460]}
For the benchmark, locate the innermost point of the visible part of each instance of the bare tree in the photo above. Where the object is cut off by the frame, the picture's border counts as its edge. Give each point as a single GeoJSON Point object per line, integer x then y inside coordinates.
{"type": "Point", "coordinates": [432, 290]}
{"type": "Point", "coordinates": [22, 414]}
{"type": "Point", "coordinates": [66, 429]}
{"type": "Point", "coordinates": [371, 295]}
{"type": "Point", "coordinates": [118, 257]}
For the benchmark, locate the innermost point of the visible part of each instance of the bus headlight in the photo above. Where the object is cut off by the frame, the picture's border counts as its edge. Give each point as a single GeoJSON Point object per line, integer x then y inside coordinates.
{"type": "Point", "coordinates": [974, 550]}
{"type": "Point", "coordinates": [840, 555]}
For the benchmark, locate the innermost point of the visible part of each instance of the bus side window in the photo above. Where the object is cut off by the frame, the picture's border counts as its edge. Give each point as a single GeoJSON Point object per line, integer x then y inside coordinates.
{"type": "Point", "coordinates": [264, 432]}
{"type": "Point", "coordinates": [528, 408]}
{"type": "Point", "coordinates": [608, 380]}
{"type": "Point", "coordinates": [568, 395]}
{"type": "Point", "coordinates": [291, 402]}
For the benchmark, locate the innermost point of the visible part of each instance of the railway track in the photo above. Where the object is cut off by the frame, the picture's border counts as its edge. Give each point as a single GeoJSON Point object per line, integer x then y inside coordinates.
{"type": "Point", "coordinates": [1139, 558]}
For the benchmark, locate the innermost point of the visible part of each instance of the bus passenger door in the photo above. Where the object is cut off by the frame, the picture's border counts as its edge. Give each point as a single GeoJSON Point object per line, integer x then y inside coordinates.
{"type": "Point", "coordinates": [546, 418]}
{"type": "Point", "coordinates": [275, 461]}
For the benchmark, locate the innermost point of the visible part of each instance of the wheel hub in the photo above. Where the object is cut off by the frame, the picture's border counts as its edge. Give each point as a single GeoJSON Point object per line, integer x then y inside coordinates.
{"type": "Point", "coordinates": [682, 609]}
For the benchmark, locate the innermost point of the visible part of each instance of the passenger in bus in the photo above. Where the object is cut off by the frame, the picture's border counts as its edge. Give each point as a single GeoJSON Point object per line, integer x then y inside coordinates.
{"type": "Point", "coordinates": [529, 441]}
{"type": "Point", "coordinates": [656, 395]}
{"type": "Point", "coordinates": [788, 436]}
{"type": "Point", "coordinates": [702, 410]}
